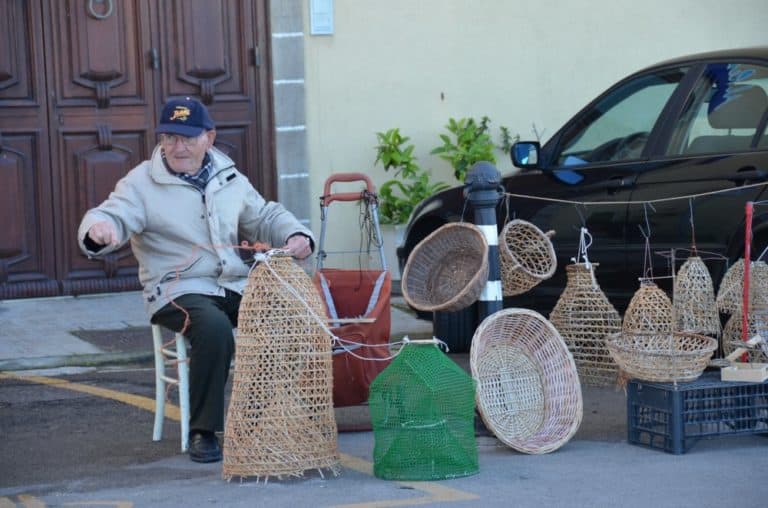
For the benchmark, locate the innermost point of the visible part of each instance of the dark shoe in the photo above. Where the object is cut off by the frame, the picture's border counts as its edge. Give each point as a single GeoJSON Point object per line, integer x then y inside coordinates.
{"type": "Point", "coordinates": [204, 447]}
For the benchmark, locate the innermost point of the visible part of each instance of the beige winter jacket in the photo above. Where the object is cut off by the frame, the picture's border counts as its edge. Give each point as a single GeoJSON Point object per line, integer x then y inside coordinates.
{"type": "Point", "coordinates": [184, 243]}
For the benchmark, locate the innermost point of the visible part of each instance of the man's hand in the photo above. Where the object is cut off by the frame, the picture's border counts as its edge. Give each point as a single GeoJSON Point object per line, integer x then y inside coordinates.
{"type": "Point", "coordinates": [103, 233]}
{"type": "Point", "coordinates": [299, 246]}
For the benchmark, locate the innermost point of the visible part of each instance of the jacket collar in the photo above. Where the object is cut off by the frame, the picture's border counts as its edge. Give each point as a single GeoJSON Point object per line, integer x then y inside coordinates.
{"type": "Point", "coordinates": [159, 173]}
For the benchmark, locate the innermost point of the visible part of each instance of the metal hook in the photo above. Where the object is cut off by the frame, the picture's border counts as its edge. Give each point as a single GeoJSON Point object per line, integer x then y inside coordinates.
{"type": "Point", "coordinates": [92, 12]}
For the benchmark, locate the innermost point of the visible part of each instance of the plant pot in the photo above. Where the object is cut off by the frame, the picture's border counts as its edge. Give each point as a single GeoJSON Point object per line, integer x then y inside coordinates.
{"type": "Point", "coordinates": [392, 236]}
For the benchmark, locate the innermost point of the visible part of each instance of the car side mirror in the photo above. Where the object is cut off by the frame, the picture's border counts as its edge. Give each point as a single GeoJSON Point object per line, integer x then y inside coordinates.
{"type": "Point", "coordinates": [525, 154]}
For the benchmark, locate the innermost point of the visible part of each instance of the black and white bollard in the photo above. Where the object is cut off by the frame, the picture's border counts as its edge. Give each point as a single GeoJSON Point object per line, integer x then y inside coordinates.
{"type": "Point", "coordinates": [484, 191]}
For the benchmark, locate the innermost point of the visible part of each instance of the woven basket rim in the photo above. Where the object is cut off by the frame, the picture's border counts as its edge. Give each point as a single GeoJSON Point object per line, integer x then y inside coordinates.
{"type": "Point", "coordinates": [475, 283]}
{"type": "Point", "coordinates": [709, 344]}
{"type": "Point", "coordinates": [504, 250]}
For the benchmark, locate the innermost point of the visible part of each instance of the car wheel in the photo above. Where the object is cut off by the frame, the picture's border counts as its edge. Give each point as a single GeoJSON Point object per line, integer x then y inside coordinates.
{"type": "Point", "coordinates": [456, 328]}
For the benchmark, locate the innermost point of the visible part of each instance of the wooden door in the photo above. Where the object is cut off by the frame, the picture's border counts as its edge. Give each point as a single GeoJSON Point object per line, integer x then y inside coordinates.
{"type": "Point", "coordinates": [81, 84]}
{"type": "Point", "coordinates": [27, 238]}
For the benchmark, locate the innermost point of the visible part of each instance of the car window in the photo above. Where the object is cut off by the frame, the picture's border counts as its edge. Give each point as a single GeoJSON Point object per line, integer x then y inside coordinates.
{"type": "Point", "coordinates": [617, 127]}
{"type": "Point", "coordinates": [724, 113]}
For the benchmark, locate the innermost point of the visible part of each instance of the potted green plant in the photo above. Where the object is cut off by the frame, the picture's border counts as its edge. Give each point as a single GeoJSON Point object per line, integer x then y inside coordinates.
{"type": "Point", "coordinates": [470, 142]}
{"type": "Point", "coordinates": [399, 195]}
{"type": "Point", "coordinates": [410, 185]}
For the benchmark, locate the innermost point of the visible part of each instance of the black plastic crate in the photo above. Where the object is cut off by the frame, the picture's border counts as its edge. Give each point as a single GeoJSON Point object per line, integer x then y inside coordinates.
{"type": "Point", "coordinates": [672, 417]}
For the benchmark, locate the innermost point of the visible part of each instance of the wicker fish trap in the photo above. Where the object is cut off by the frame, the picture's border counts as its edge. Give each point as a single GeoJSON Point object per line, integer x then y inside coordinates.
{"type": "Point", "coordinates": [649, 310]}
{"type": "Point", "coordinates": [662, 356]}
{"type": "Point", "coordinates": [730, 295]}
{"type": "Point", "coordinates": [280, 420]}
{"type": "Point", "coordinates": [584, 317]}
{"type": "Point", "coordinates": [423, 415]}
{"type": "Point", "coordinates": [528, 390]}
{"type": "Point", "coordinates": [526, 256]}
{"type": "Point", "coordinates": [694, 299]}
{"type": "Point", "coordinates": [757, 323]}
{"type": "Point", "coordinates": [447, 270]}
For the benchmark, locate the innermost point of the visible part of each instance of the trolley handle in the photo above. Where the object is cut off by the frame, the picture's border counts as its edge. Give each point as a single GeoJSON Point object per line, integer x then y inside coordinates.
{"type": "Point", "coordinates": [327, 198]}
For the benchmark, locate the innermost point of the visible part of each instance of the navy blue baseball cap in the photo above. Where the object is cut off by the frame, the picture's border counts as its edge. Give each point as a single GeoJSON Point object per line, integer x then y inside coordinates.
{"type": "Point", "coordinates": [185, 117]}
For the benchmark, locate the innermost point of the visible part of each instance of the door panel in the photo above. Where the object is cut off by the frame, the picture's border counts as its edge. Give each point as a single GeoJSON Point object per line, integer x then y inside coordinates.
{"type": "Point", "coordinates": [26, 245]}
{"type": "Point", "coordinates": [220, 69]}
{"type": "Point", "coordinates": [102, 113]}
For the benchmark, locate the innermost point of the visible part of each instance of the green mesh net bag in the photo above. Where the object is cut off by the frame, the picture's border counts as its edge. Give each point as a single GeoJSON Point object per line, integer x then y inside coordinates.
{"type": "Point", "coordinates": [422, 410]}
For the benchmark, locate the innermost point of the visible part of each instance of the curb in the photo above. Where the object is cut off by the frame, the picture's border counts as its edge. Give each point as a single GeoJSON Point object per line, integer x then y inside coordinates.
{"type": "Point", "coordinates": [82, 360]}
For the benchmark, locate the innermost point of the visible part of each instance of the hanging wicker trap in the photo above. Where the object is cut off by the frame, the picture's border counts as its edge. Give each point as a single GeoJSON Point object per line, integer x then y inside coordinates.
{"type": "Point", "coordinates": [757, 324]}
{"type": "Point", "coordinates": [584, 317]}
{"type": "Point", "coordinates": [662, 356]}
{"type": "Point", "coordinates": [528, 390]}
{"type": "Point", "coordinates": [694, 299]}
{"type": "Point", "coordinates": [423, 415]}
{"type": "Point", "coordinates": [650, 310]}
{"type": "Point", "coordinates": [280, 419]}
{"type": "Point", "coordinates": [447, 270]}
{"type": "Point", "coordinates": [730, 295]}
{"type": "Point", "coordinates": [526, 255]}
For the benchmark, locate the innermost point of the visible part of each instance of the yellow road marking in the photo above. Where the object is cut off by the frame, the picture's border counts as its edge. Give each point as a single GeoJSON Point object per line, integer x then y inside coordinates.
{"type": "Point", "coordinates": [435, 493]}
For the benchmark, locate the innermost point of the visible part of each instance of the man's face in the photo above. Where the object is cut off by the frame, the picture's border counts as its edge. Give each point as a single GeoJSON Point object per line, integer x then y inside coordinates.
{"type": "Point", "coordinates": [185, 155]}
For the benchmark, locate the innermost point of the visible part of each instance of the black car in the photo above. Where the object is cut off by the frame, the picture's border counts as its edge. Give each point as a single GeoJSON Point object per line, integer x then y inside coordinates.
{"type": "Point", "coordinates": [685, 127]}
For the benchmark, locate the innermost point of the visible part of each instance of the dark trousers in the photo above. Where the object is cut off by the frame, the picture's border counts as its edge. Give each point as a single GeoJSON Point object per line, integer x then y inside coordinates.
{"type": "Point", "coordinates": [211, 319]}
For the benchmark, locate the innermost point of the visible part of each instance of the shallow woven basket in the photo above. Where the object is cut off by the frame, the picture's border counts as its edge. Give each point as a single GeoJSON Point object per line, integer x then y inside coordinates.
{"type": "Point", "coordinates": [526, 255]}
{"type": "Point", "coordinates": [694, 299]}
{"type": "Point", "coordinates": [757, 323]}
{"type": "Point", "coordinates": [584, 317]}
{"type": "Point", "coordinates": [528, 391]}
{"type": "Point", "coordinates": [730, 295]}
{"type": "Point", "coordinates": [662, 357]}
{"type": "Point", "coordinates": [447, 270]}
{"type": "Point", "coordinates": [280, 419]}
{"type": "Point", "coordinates": [650, 310]}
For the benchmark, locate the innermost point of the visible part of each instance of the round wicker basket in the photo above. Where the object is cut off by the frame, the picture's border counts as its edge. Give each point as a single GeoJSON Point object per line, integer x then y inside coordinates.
{"type": "Point", "coordinates": [447, 270]}
{"type": "Point", "coordinates": [757, 323]}
{"type": "Point", "coordinates": [527, 257]}
{"type": "Point", "coordinates": [730, 295]}
{"type": "Point", "coordinates": [662, 356]}
{"type": "Point", "coordinates": [528, 390]}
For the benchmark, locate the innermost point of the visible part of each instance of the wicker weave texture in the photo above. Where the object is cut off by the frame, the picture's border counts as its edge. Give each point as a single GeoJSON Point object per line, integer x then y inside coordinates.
{"type": "Point", "coordinates": [649, 310]}
{"type": "Point", "coordinates": [280, 419]}
{"type": "Point", "coordinates": [694, 299]}
{"type": "Point", "coordinates": [584, 317]}
{"type": "Point", "coordinates": [730, 295]}
{"type": "Point", "coordinates": [423, 414]}
{"type": "Point", "coordinates": [526, 256]}
{"type": "Point", "coordinates": [447, 270]}
{"type": "Point", "coordinates": [757, 323]}
{"type": "Point", "coordinates": [528, 390]}
{"type": "Point", "coordinates": [660, 356]}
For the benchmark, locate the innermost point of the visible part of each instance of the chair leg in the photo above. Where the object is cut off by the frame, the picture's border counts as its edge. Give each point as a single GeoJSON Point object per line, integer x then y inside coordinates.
{"type": "Point", "coordinates": [157, 344]}
{"type": "Point", "coordinates": [183, 373]}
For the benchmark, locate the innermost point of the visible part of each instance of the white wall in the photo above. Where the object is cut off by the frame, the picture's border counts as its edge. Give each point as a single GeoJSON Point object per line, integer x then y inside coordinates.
{"type": "Point", "coordinates": [413, 64]}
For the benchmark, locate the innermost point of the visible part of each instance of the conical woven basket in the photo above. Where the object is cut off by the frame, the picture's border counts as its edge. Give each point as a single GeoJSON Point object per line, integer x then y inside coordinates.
{"type": "Point", "coordinates": [280, 419]}
{"type": "Point", "coordinates": [526, 255]}
{"type": "Point", "coordinates": [584, 317]}
{"type": "Point", "coordinates": [662, 356]}
{"type": "Point", "coordinates": [650, 310]}
{"type": "Point", "coordinates": [447, 270]}
{"type": "Point", "coordinates": [528, 390]}
{"type": "Point", "coordinates": [694, 299]}
{"type": "Point", "coordinates": [757, 323]}
{"type": "Point", "coordinates": [730, 295]}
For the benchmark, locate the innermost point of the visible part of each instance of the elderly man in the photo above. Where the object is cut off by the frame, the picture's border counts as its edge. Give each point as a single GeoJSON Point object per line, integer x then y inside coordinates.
{"type": "Point", "coordinates": [184, 211]}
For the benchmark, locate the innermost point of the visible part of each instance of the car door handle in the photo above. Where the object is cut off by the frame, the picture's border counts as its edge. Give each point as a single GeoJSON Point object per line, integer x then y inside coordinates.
{"type": "Point", "coordinates": [750, 173]}
{"type": "Point", "coordinates": [620, 182]}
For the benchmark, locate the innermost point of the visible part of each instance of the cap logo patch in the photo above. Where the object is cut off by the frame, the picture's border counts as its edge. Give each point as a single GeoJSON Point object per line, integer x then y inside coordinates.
{"type": "Point", "coordinates": [180, 113]}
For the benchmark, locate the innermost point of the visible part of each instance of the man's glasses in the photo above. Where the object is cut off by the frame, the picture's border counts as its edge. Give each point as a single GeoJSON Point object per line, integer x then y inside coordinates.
{"type": "Point", "coordinates": [171, 139]}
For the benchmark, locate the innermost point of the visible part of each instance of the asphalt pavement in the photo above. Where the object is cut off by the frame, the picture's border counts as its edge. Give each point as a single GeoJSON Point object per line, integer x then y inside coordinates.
{"type": "Point", "coordinates": [76, 409]}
